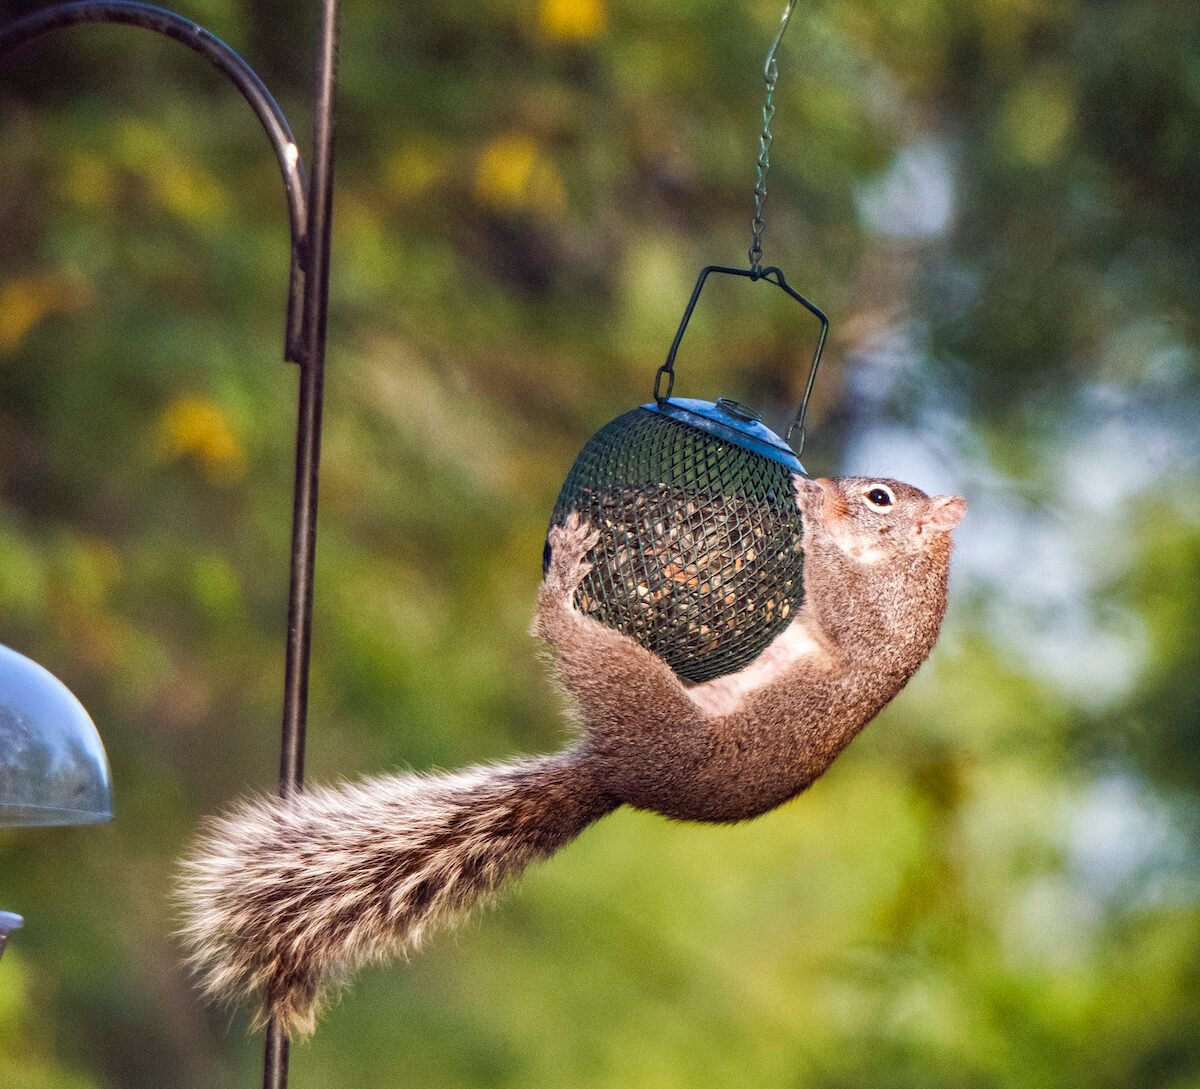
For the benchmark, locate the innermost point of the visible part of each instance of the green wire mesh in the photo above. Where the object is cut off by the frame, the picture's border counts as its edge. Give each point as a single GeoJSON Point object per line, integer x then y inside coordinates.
{"type": "Point", "coordinates": [700, 557]}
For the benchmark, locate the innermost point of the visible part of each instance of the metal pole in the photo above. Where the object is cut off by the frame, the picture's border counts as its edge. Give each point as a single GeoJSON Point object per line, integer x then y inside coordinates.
{"type": "Point", "coordinates": [308, 306]}
{"type": "Point", "coordinates": [308, 458]}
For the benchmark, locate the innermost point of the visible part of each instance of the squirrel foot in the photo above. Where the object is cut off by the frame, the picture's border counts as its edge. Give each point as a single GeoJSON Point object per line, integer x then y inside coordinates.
{"type": "Point", "coordinates": [569, 543]}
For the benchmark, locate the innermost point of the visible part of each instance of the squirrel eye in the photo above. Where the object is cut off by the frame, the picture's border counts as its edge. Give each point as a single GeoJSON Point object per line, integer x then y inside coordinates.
{"type": "Point", "coordinates": [880, 497]}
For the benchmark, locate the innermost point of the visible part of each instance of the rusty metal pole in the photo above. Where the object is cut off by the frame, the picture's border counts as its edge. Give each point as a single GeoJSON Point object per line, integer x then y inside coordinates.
{"type": "Point", "coordinates": [310, 210]}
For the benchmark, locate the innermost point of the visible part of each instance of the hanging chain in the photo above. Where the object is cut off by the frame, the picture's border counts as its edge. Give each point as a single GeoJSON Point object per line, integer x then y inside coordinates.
{"type": "Point", "coordinates": [764, 164]}
{"type": "Point", "coordinates": [770, 76]}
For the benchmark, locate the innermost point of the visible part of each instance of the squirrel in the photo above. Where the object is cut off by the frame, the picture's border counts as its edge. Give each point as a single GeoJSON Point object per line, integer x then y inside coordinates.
{"type": "Point", "coordinates": [284, 897]}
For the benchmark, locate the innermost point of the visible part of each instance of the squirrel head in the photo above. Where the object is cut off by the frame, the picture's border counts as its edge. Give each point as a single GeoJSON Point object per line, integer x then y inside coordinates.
{"type": "Point", "coordinates": [874, 518]}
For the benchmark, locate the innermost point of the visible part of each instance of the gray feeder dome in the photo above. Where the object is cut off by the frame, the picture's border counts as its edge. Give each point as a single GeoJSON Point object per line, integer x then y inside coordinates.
{"type": "Point", "coordinates": [8, 923]}
{"type": "Point", "coordinates": [700, 557]}
{"type": "Point", "coordinates": [53, 769]}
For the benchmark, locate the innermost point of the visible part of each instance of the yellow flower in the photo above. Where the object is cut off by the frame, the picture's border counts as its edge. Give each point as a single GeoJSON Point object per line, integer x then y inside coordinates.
{"type": "Point", "coordinates": [572, 20]}
{"type": "Point", "coordinates": [514, 175]}
{"type": "Point", "coordinates": [196, 429]}
{"type": "Point", "coordinates": [25, 301]}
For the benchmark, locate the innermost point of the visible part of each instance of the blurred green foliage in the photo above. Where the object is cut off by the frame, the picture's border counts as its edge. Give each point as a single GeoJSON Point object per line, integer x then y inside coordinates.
{"type": "Point", "coordinates": [995, 200]}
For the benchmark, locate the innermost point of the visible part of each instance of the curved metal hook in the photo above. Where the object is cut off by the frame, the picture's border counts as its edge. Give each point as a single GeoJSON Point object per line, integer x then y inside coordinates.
{"type": "Point", "coordinates": [240, 74]}
{"type": "Point", "coordinates": [770, 68]}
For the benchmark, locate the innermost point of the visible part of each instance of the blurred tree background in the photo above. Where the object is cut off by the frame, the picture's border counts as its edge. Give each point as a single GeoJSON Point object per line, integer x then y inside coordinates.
{"type": "Point", "coordinates": [997, 203]}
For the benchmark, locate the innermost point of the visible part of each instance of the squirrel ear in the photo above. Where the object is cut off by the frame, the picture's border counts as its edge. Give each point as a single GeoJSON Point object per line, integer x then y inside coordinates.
{"type": "Point", "coordinates": [809, 492]}
{"type": "Point", "coordinates": [943, 513]}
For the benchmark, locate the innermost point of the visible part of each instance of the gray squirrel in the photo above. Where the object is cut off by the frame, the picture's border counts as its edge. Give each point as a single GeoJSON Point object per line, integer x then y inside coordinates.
{"type": "Point", "coordinates": [284, 897]}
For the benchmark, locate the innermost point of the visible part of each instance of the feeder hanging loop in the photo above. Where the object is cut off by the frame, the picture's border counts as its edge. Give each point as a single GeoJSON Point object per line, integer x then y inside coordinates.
{"type": "Point", "coordinates": [770, 275]}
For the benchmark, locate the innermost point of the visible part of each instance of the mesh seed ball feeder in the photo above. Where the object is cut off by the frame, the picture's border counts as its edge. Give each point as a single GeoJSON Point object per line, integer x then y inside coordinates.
{"type": "Point", "coordinates": [700, 557]}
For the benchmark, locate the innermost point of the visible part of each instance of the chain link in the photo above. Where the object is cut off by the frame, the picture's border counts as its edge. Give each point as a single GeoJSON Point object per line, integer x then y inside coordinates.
{"type": "Point", "coordinates": [763, 165]}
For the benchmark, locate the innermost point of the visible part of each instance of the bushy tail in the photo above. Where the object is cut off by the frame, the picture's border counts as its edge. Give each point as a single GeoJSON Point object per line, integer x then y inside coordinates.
{"type": "Point", "coordinates": [284, 898]}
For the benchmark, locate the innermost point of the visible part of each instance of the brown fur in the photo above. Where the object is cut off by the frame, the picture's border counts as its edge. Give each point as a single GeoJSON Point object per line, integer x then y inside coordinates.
{"type": "Point", "coordinates": [875, 593]}
{"type": "Point", "coordinates": [284, 897]}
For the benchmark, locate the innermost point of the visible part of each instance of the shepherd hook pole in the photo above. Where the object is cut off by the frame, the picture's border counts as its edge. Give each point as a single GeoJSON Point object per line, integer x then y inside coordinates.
{"type": "Point", "coordinates": [310, 209]}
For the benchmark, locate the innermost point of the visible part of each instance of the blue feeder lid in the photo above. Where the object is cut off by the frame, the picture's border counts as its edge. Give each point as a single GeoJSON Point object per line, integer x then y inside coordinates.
{"type": "Point", "coordinates": [53, 769]}
{"type": "Point", "coordinates": [734, 423]}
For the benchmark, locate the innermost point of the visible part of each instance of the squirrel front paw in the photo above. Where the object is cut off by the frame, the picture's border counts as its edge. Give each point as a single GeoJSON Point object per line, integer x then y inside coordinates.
{"type": "Point", "coordinates": [569, 543]}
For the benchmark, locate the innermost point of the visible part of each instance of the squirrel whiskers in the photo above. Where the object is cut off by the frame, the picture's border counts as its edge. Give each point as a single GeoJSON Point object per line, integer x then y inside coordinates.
{"type": "Point", "coordinates": [284, 898]}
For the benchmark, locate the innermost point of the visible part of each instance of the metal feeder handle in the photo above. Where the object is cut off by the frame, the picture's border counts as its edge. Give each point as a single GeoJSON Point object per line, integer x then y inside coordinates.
{"type": "Point", "coordinates": [774, 276]}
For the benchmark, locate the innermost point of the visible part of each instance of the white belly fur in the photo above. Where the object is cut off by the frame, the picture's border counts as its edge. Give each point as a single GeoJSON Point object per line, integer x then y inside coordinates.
{"type": "Point", "coordinates": [724, 695]}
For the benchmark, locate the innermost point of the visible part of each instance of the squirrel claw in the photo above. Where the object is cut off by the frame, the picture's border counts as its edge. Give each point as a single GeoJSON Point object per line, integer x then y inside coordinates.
{"type": "Point", "coordinates": [569, 543]}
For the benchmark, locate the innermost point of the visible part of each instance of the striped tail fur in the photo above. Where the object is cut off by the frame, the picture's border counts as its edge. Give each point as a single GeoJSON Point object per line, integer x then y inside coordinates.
{"type": "Point", "coordinates": [284, 898]}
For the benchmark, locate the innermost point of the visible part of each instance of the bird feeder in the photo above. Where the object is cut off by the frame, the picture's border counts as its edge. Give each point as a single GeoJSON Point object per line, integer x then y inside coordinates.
{"type": "Point", "coordinates": [700, 557]}
{"type": "Point", "coordinates": [53, 769]}
{"type": "Point", "coordinates": [701, 550]}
